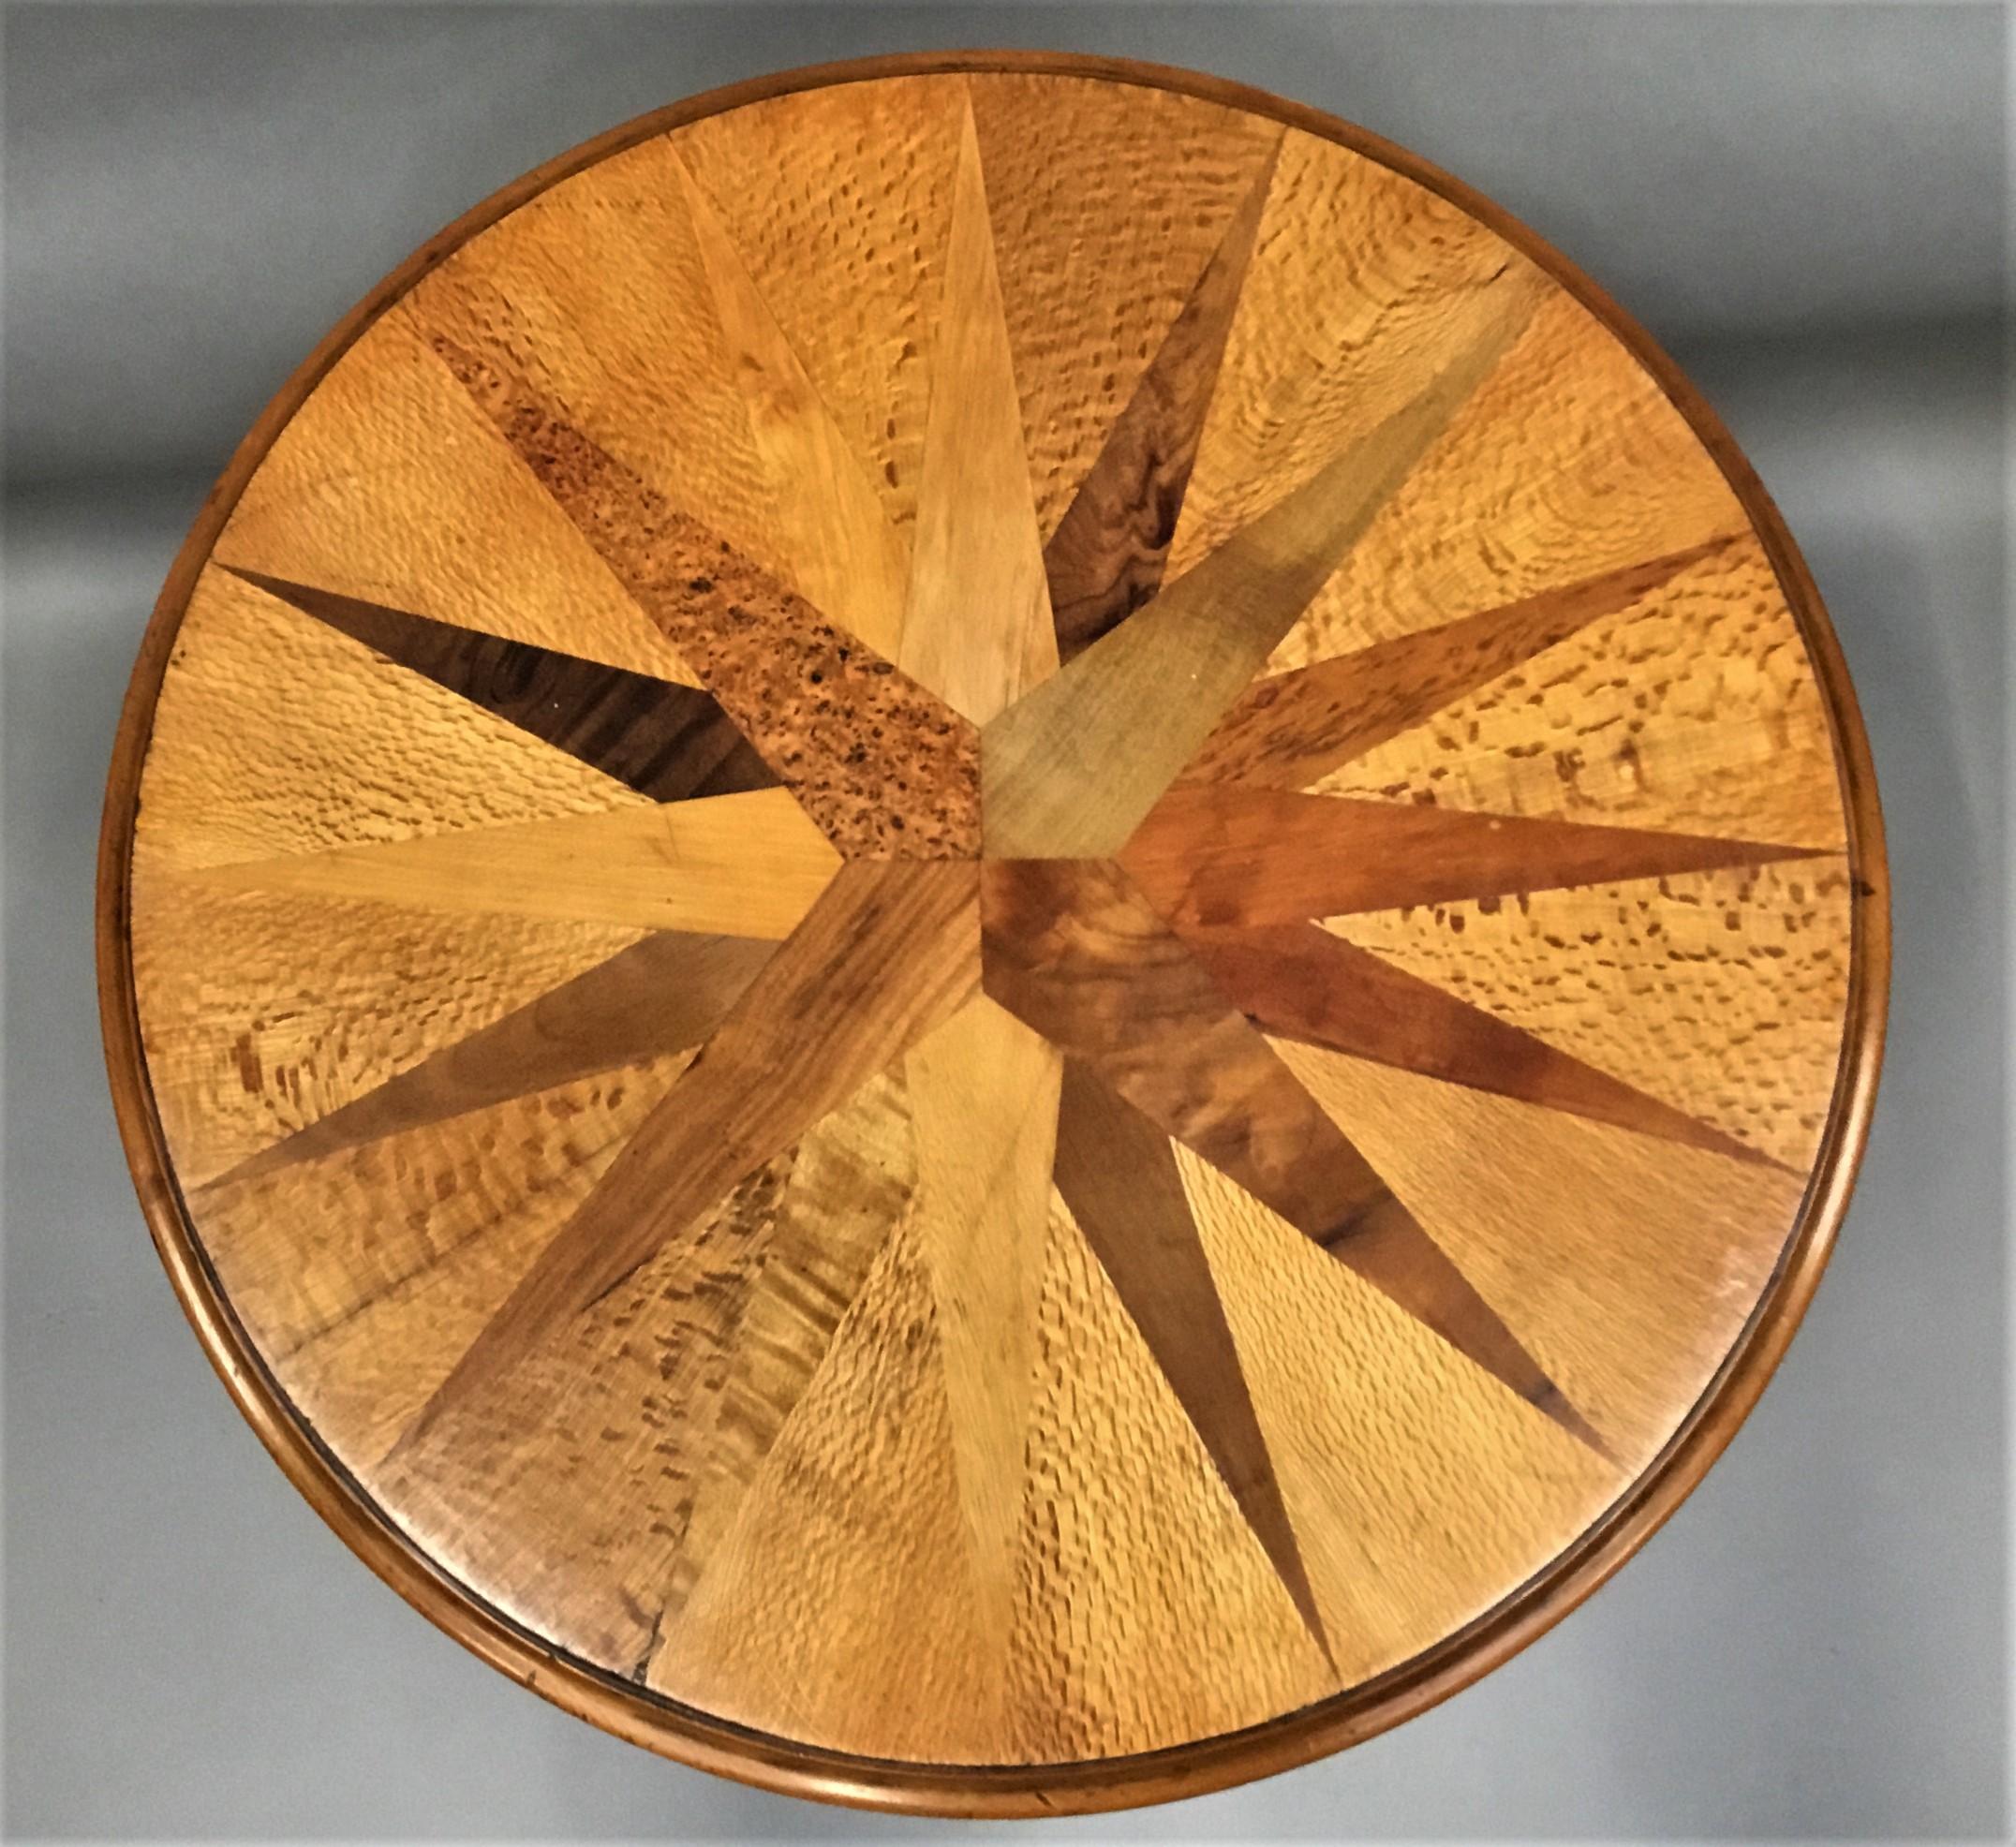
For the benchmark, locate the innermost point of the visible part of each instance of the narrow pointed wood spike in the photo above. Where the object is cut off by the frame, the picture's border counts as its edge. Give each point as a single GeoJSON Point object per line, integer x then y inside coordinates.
{"type": "Point", "coordinates": [1105, 558]}
{"type": "Point", "coordinates": [977, 629]}
{"type": "Point", "coordinates": [891, 949]}
{"type": "Point", "coordinates": [1289, 731]}
{"type": "Point", "coordinates": [1217, 856]}
{"type": "Point", "coordinates": [983, 1094]}
{"type": "Point", "coordinates": [664, 739]}
{"type": "Point", "coordinates": [806, 693]}
{"type": "Point", "coordinates": [749, 865]}
{"type": "Point", "coordinates": [1295, 980]}
{"type": "Point", "coordinates": [1118, 1174]}
{"type": "Point", "coordinates": [1068, 771]}
{"type": "Point", "coordinates": [835, 540]}
{"type": "Point", "coordinates": [662, 995]}
{"type": "Point", "coordinates": [1073, 948]}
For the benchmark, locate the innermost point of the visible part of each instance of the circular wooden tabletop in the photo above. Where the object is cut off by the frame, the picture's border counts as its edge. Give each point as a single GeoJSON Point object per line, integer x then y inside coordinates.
{"type": "Point", "coordinates": [992, 933]}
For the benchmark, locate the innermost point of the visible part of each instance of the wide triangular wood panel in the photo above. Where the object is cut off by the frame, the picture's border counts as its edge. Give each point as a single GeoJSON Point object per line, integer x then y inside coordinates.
{"type": "Point", "coordinates": [1720, 992]}
{"type": "Point", "coordinates": [1629, 1264]}
{"type": "Point", "coordinates": [387, 485]}
{"type": "Point", "coordinates": [361, 1274]}
{"type": "Point", "coordinates": [1695, 710]}
{"type": "Point", "coordinates": [844, 241]}
{"type": "Point", "coordinates": [598, 1477]}
{"type": "Point", "coordinates": [1412, 1476]}
{"type": "Point", "coordinates": [1570, 462]}
{"type": "Point", "coordinates": [278, 737]}
{"type": "Point", "coordinates": [1150, 1611]}
{"type": "Point", "coordinates": [839, 1609]}
{"type": "Point", "coordinates": [326, 1000]}
{"type": "Point", "coordinates": [1094, 276]}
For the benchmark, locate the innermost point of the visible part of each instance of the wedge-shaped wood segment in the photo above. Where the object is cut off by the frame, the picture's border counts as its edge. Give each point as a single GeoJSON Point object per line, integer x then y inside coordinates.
{"type": "Point", "coordinates": [1625, 1211]}
{"type": "Point", "coordinates": [838, 1606]}
{"type": "Point", "coordinates": [984, 1092]}
{"type": "Point", "coordinates": [1095, 275]}
{"type": "Point", "coordinates": [844, 553]}
{"type": "Point", "coordinates": [1073, 948]}
{"type": "Point", "coordinates": [977, 629]}
{"type": "Point", "coordinates": [1695, 711]}
{"type": "Point", "coordinates": [845, 243]}
{"type": "Point", "coordinates": [1291, 729]}
{"type": "Point", "coordinates": [1569, 461]}
{"type": "Point", "coordinates": [805, 693]}
{"type": "Point", "coordinates": [1105, 560]}
{"type": "Point", "coordinates": [748, 864]}
{"type": "Point", "coordinates": [1116, 1172]}
{"type": "Point", "coordinates": [388, 484]}
{"type": "Point", "coordinates": [365, 1274]}
{"type": "Point", "coordinates": [1214, 856]}
{"type": "Point", "coordinates": [601, 1476]}
{"type": "Point", "coordinates": [664, 994]}
{"type": "Point", "coordinates": [1300, 982]}
{"type": "Point", "coordinates": [889, 950]}
{"type": "Point", "coordinates": [1070, 770]}
{"type": "Point", "coordinates": [279, 736]}
{"type": "Point", "coordinates": [1722, 992]}
{"type": "Point", "coordinates": [1151, 1612]}
{"type": "Point", "coordinates": [1382, 1480]}
{"type": "Point", "coordinates": [664, 739]}
{"type": "Point", "coordinates": [241, 1064]}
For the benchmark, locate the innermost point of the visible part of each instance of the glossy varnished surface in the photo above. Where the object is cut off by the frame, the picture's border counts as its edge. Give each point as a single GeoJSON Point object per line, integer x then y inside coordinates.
{"type": "Point", "coordinates": [992, 937]}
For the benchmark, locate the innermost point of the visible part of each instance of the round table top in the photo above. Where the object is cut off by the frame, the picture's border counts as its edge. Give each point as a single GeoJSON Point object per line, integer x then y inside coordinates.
{"type": "Point", "coordinates": [992, 933]}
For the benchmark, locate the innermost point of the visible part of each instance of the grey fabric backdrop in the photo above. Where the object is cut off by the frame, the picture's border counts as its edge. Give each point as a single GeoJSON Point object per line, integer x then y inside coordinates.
{"type": "Point", "coordinates": [1805, 204]}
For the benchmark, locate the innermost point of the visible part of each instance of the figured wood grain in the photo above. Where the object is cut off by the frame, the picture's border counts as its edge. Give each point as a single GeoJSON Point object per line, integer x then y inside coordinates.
{"type": "Point", "coordinates": [1303, 982]}
{"type": "Point", "coordinates": [239, 1065]}
{"type": "Point", "coordinates": [1692, 712]}
{"type": "Point", "coordinates": [387, 484]}
{"type": "Point", "coordinates": [977, 628]}
{"type": "Point", "coordinates": [1722, 992]}
{"type": "Point", "coordinates": [1227, 649]}
{"type": "Point", "coordinates": [890, 948]}
{"type": "Point", "coordinates": [1118, 1174]}
{"type": "Point", "coordinates": [805, 693]}
{"type": "Point", "coordinates": [845, 243]}
{"type": "Point", "coordinates": [1105, 558]}
{"type": "Point", "coordinates": [1057, 933]}
{"type": "Point", "coordinates": [1072, 769]}
{"type": "Point", "coordinates": [1220, 854]}
{"type": "Point", "coordinates": [1148, 181]}
{"type": "Point", "coordinates": [664, 739]}
{"type": "Point", "coordinates": [1291, 729]}
{"type": "Point", "coordinates": [984, 1093]}
{"type": "Point", "coordinates": [843, 549]}
{"type": "Point", "coordinates": [658, 867]}
{"type": "Point", "coordinates": [279, 736]}
{"type": "Point", "coordinates": [600, 1477]}
{"type": "Point", "coordinates": [663, 993]}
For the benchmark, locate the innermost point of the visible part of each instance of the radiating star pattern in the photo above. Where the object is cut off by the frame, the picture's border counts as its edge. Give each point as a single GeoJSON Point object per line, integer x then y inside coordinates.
{"type": "Point", "coordinates": [976, 1004]}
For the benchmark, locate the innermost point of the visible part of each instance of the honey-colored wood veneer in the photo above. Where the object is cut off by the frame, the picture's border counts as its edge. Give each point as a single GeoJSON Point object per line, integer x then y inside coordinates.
{"type": "Point", "coordinates": [992, 933]}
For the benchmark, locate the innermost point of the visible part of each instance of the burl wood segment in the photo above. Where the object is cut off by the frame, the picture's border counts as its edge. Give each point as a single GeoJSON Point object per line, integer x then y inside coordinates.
{"type": "Point", "coordinates": [991, 919]}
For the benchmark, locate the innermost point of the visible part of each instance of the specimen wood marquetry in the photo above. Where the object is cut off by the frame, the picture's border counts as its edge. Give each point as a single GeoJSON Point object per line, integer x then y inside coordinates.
{"type": "Point", "coordinates": [992, 933]}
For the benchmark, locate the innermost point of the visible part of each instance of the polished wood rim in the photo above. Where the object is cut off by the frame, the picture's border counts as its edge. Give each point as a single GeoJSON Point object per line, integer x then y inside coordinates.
{"type": "Point", "coordinates": [697, 1737]}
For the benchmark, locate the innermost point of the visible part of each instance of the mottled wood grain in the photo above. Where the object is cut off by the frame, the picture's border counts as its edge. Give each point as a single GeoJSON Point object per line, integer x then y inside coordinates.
{"type": "Point", "coordinates": [664, 739]}
{"type": "Point", "coordinates": [991, 932]}
{"type": "Point", "coordinates": [808, 696]}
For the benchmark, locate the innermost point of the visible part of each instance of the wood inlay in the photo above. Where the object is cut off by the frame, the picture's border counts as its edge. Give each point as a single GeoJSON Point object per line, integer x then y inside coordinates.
{"type": "Point", "coordinates": [992, 933]}
{"type": "Point", "coordinates": [664, 739]}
